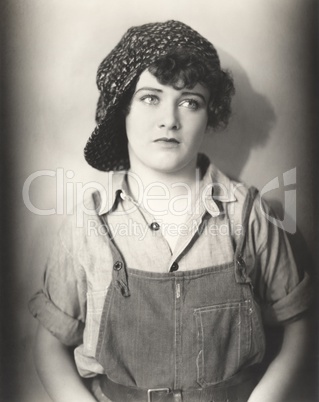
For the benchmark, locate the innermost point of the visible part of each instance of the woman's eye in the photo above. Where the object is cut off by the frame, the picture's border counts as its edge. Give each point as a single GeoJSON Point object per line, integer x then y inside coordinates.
{"type": "Point", "coordinates": [150, 99]}
{"type": "Point", "coordinates": [190, 104]}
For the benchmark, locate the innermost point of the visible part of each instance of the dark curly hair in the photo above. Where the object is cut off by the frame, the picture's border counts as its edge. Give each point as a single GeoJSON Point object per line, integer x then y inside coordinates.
{"type": "Point", "coordinates": [184, 70]}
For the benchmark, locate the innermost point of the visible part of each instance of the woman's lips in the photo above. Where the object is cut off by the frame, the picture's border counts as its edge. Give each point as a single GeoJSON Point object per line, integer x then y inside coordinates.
{"type": "Point", "coordinates": [167, 143]}
{"type": "Point", "coordinates": [168, 140]}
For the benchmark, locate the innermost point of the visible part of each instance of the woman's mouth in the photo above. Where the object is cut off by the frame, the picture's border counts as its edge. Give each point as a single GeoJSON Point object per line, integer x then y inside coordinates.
{"type": "Point", "coordinates": [168, 140]}
{"type": "Point", "coordinates": [167, 143]}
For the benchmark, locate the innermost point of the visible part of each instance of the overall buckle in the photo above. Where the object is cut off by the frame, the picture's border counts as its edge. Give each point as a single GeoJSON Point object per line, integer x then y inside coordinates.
{"type": "Point", "coordinates": [151, 390]}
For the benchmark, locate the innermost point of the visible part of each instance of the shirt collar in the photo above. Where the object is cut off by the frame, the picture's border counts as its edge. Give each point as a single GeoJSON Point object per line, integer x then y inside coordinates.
{"type": "Point", "coordinates": [215, 188]}
{"type": "Point", "coordinates": [116, 185]}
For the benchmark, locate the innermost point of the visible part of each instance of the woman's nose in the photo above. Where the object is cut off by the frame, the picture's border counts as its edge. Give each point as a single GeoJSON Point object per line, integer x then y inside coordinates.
{"type": "Point", "coordinates": [169, 118]}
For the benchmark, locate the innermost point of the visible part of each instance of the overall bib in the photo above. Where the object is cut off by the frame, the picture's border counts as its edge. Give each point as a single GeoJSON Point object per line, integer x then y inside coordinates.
{"type": "Point", "coordinates": [191, 336]}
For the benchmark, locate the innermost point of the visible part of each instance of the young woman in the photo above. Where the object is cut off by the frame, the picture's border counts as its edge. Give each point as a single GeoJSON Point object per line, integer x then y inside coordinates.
{"type": "Point", "coordinates": [167, 298]}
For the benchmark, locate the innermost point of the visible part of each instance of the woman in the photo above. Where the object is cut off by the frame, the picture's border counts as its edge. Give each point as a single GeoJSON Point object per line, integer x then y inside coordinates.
{"type": "Point", "coordinates": [173, 307]}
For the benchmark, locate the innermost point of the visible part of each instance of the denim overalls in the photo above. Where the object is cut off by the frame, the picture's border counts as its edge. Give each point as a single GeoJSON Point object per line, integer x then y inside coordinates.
{"type": "Point", "coordinates": [191, 336]}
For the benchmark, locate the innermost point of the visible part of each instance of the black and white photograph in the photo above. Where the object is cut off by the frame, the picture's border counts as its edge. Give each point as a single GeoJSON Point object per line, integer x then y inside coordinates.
{"type": "Point", "coordinates": [159, 201]}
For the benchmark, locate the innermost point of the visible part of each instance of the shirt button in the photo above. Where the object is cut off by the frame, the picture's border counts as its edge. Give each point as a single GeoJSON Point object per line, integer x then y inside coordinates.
{"type": "Point", "coordinates": [174, 267]}
{"type": "Point", "coordinates": [118, 265]}
{"type": "Point", "coordinates": [154, 226]}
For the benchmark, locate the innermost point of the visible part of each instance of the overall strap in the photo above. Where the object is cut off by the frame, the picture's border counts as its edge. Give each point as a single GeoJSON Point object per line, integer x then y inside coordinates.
{"type": "Point", "coordinates": [240, 264]}
{"type": "Point", "coordinates": [119, 274]}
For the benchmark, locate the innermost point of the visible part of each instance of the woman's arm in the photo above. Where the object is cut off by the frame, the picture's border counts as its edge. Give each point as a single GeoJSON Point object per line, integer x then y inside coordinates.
{"type": "Point", "coordinates": [57, 371]}
{"type": "Point", "coordinates": [277, 383]}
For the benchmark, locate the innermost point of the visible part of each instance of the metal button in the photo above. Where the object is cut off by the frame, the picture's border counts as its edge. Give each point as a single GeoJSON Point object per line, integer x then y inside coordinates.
{"type": "Point", "coordinates": [154, 226]}
{"type": "Point", "coordinates": [240, 261]}
{"type": "Point", "coordinates": [174, 267]}
{"type": "Point", "coordinates": [118, 265]}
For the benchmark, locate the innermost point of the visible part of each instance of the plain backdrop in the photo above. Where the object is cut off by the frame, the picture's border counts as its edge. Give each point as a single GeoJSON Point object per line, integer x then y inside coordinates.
{"type": "Point", "coordinates": [50, 54]}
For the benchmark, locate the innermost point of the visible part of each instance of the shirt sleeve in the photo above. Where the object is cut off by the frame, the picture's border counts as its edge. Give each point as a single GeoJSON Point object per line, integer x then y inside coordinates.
{"type": "Point", "coordinates": [284, 290]}
{"type": "Point", "coordinates": [60, 304]}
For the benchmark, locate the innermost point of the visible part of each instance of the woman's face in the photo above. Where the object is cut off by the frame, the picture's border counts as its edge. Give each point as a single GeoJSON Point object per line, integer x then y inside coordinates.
{"type": "Point", "coordinates": [165, 126]}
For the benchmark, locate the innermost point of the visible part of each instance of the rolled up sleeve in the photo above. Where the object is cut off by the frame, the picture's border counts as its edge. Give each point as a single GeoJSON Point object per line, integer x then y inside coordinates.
{"type": "Point", "coordinates": [284, 290]}
{"type": "Point", "coordinates": [291, 305]}
{"type": "Point", "coordinates": [60, 305]}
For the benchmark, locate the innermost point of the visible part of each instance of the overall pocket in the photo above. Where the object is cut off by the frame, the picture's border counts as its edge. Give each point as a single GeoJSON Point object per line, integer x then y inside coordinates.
{"type": "Point", "coordinates": [224, 340]}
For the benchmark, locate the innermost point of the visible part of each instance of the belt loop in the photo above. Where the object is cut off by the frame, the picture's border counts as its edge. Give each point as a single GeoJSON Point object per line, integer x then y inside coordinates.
{"type": "Point", "coordinates": [178, 396]}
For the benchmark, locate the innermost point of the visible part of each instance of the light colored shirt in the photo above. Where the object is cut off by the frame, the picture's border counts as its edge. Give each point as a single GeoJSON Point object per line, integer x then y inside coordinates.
{"type": "Point", "coordinates": [79, 268]}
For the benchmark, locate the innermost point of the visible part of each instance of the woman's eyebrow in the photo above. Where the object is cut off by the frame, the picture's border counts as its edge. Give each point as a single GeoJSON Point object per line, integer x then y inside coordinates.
{"type": "Point", "coordinates": [148, 89]}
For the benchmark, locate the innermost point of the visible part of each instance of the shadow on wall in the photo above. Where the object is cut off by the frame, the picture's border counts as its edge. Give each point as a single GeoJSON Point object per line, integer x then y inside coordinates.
{"type": "Point", "coordinates": [250, 126]}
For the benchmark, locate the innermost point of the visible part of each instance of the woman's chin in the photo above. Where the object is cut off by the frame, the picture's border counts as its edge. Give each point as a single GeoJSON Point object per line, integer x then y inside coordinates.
{"type": "Point", "coordinates": [168, 165]}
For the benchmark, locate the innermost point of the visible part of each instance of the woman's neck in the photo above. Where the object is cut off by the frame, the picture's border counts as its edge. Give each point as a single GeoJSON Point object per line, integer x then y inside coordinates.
{"type": "Point", "coordinates": [141, 178]}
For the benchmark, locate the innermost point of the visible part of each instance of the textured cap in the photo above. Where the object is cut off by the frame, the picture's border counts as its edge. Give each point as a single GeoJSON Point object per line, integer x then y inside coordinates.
{"type": "Point", "coordinates": [140, 47]}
